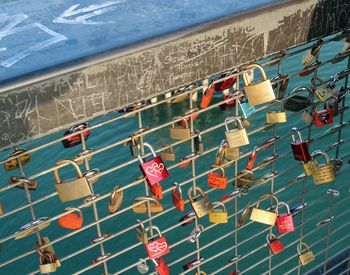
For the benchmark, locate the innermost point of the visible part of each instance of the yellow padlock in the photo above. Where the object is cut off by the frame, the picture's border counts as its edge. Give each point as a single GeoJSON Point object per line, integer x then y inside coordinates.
{"type": "Point", "coordinates": [275, 116]}
{"type": "Point", "coordinates": [305, 256]}
{"type": "Point", "coordinates": [265, 216]}
{"type": "Point", "coordinates": [218, 215]}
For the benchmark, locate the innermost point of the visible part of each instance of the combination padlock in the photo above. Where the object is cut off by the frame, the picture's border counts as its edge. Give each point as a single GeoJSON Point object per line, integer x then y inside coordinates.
{"type": "Point", "coordinates": [322, 91]}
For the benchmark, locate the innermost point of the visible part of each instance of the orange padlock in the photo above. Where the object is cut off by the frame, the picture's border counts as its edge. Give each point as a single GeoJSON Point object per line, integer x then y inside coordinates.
{"type": "Point", "coordinates": [176, 195]}
{"type": "Point", "coordinates": [217, 180]}
{"type": "Point", "coordinates": [71, 220]}
{"type": "Point", "coordinates": [157, 191]}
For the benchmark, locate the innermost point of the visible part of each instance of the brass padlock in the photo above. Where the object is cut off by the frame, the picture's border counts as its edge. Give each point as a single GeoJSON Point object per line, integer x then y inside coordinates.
{"type": "Point", "coordinates": [32, 227]}
{"type": "Point", "coordinates": [259, 92]}
{"type": "Point", "coordinates": [2, 211]}
{"type": "Point", "coordinates": [225, 154]}
{"type": "Point", "coordinates": [115, 200]}
{"type": "Point", "coordinates": [86, 154]}
{"type": "Point", "coordinates": [265, 216]}
{"type": "Point", "coordinates": [141, 232]}
{"type": "Point", "coordinates": [310, 167]}
{"type": "Point", "coordinates": [324, 172]}
{"type": "Point", "coordinates": [275, 116]}
{"type": "Point", "coordinates": [13, 163]}
{"type": "Point", "coordinates": [246, 178]}
{"type": "Point", "coordinates": [305, 256]}
{"type": "Point", "coordinates": [180, 132]}
{"type": "Point", "coordinates": [47, 263]}
{"type": "Point", "coordinates": [236, 137]}
{"type": "Point", "coordinates": [154, 205]}
{"type": "Point", "coordinates": [201, 204]}
{"type": "Point", "coordinates": [218, 215]}
{"type": "Point", "coordinates": [72, 189]}
{"type": "Point", "coordinates": [168, 153]}
{"type": "Point", "coordinates": [92, 175]}
{"type": "Point", "coordinates": [49, 249]}
{"type": "Point", "coordinates": [324, 92]}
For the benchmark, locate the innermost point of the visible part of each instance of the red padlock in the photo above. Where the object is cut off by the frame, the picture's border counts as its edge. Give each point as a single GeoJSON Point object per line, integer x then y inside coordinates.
{"type": "Point", "coordinates": [76, 139]}
{"type": "Point", "coordinates": [252, 159]}
{"type": "Point", "coordinates": [153, 169]}
{"type": "Point", "coordinates": [217, 180]}
{"type": "Point", "coordinates": [161, 266]}
{"type": "Point", "coordinates": [284, 221]}
{"type": "Point", "coordinates": [229, 104]}
{"type": "Point", "coordinates": [225, 84]}
{"type": "Point", "coordinates": [157, 191]}
{"type": "Point", "coordinates": [157, 247]}
{"type": "Point", "coordinates": [176, 196]}
{"type": "Point", "coordinates": [207, 96]}
{"type": "Point", "coordinates": [275, 244]}
{"type": "Point", "coordinates": [323, 118]}
{"type": "Point", "coordinates": [300, 148]}
{"type": "Point", "coordinates": [71, 220]}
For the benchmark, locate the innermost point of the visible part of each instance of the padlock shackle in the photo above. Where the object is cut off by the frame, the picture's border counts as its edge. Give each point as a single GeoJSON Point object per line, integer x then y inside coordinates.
{"type": "Point", "coordinates": [282, 203]}
{"type": "Point", "coordinates": [273, 103]}
{"type": "Point", "coordinates": [189, 193]}
{"type": "Point", "coordinates": [321, 153]}
{"type": "Point", "coordinates": [252, 67]}
{"type": "Point", "coordinates": [85, 153]}
{"type": "Point", "coordinates": [114, 193]}
{"type": "Point", "coordinates": [80, 213]}
{"type": "Point", "coordinates": [295, 130]}
{"type": "Point", "coordinates": [168, 147]}
{"type": "Point", "coordinates": [65, 161]}
{"type": "Point", "coordinates": [219, 203]}
{"type": "Point", "coordinates": [263, 197]}
{"type": "Point", "coordinates": [140, 224]}
{"type": "Point", "coordinates": [314, 82]}
{"type": "Point", "coordinates": [154, 228]}
{"type": "Point", "coordinates": [178, 189]}
{"type": "Point", "coordinates": [303, 89]}
{"type": "Point", "coordinates": [92, 172]}
{"type": "Point", "coordinates": [145, 144]}
{"type": "Point", "coordinates": [221, 152]}
{"type": "Point", "coordinates": [196, 232]}
{"type": "Point", "coordinates": [199, 136]}
{"type": "Point", "coordinates": [15, 180]}
{"type": "Point", "coordinates": [269, 239]}
{"type": "Point", "coordinates": [246, 171]}
{"type": "Point", "coordinates": [220, 168]}
{"type": "Point", "coordinates": [145, 199]}
{"type": "Point", "coordinates": [300, 246]}
{"type": "Point", "coordinates": [245, 214]}
{"type": "Point", "coordinates": [182, 118]}
{"type": "Point", "coordinates": [231, 119]}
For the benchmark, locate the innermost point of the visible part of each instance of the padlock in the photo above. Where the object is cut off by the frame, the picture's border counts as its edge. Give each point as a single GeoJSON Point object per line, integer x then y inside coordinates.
{"type": "Point", "coordinates": [71, 220]}
{"type": "Point", "coordinates": [305, 256]}
{"type": "Point", "coordinates": [236, 137]}
{"type": "Point", "coordinates": [227, 83]}
{"type": "Point", "coordinates": [157, 191]}
{"type": "Point", "coordinates": [309, 69]}
{"type": "Point", "coordinates": [207, 96]}
{"type": "Point", "coordinates": [216, 180]}
{"type": "Point", "coordinates": [161, 266]}
{"type": "Point", "coordinates": [201, 204]}
{"type": "Point", "coordinates": [188, 217]}
{"type": "Point", "coordinates": [32, 227]}
{"type": "Point", "coordinates": [246, 178]}
{"type": "Point", "coordinates": [177, 198]}
{"type": "Point", "coordinates": [187, 160]}
{"type": "Point", "coordinates": [312, 53]}
{"type": "Point", "coordinates": [198, 143]}
{"type": "Point", "coordinates": [97, 261]}
{"type": "Point", "coordinates": [142, 267]}
{"type": "Point", "coordinates": [300, 148]}
{"type": "Point", "coordinates": [12, 164]}
{"type": "Point", "coordinates": [281, 84]}
{"type": "Point", "coordinates": [252, 158]}
{"type": "Point", "coordinates": [115, 200]}
{"type": "Point", "coordinates": [141, 233]}
{"type": "Point", "coordinates": [296, 102]}
{"type": "Point", "coordinates": [310, 167]}
{"type": "Point", "coordinates": [265, 216]}
{"type": "Point", "coordinates": [154, 169]}
{"type": "Point", "coordinates": [180, 132]}
{"type": "Point", "coordinates": [100, 238]}
{"type": "Point", "coordinates": [46, 262]}
{"type": "Point", "coordinates": [322, 118]}
{"type": "Point", "coordinates": [154, 205]}
{"type": "Point", "coordinates": [246, 109]}
{"type": "Point", "coordinates": [20, 182]}
{"type": "Point", "coordinates": [228, 104]}
{"type": "Point", "coordinates": [218, 215]}
{"type": "Point", "coordinates": [307, 117]}
{"type": "Point", "coordinates": [260, 92]}
{"type": "Point", "coordinates": [75, 139]}
{"type": "Point", "coordinates": [168, 152]}
{"type": "Point", "coordinates": [196, 233]}
{"type": "Point", "coordinates": [86, 154]}
{"type": "Point", "coordinates": [2, 210]}
{"type": "Point", "coordinates": [72, 189]}
{"type": "Point", "coordinates": [325, 171]}
{"type": "Point", "coordinates": [246, 212]}
{"type": "Point", "coordinates": [92, 175]}
{"type": "Point", "coordinates": [134, 147]}
{"type": "Point", "coordinates": [274, 243]}
{"type": "Point", "coordinates": [49, 249]}
{"type": "Point", "coordinates": [187, 116]}
{"type": "Point", "coordinates": [275, 116]}
{"type": "Point", "coordinates": [225, 153]}
{"type": "Point", "coordinates": [284, 221]}
{"type": "Point", "coordinates": [324, 92]}
{"type": "Point", "coordinates": [192, 263]}
{"type": "Point", "coordinates": [158, 247]}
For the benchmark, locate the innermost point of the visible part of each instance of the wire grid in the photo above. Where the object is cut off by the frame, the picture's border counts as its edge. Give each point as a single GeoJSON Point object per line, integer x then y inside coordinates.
{"type": "Point", "coordinates": [224, 247]}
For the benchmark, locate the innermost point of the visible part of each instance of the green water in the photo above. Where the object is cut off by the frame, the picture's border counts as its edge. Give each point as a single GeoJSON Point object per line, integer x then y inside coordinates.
{"type": "Point", "coordinates": [115, 131]}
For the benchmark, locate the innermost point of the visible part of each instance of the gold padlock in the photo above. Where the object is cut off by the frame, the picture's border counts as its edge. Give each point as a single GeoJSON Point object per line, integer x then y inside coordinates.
{"type": "Point", "coordinates": [180, 132]}
{"type": "Point", "coordinates": [324, 172]}
{"type": "Point", "coordinates": [92, 175]}
{"type": "Point", "coordinates": [236, 137]}
{"type": "Point", "coordinates": [31, 227]}
{"type": "Point", "coordinates": [218, 215]}
{"type": "Point", "coordinates": [168, 154]}
{"type": "Point", "coordinates": [86, 154]}
{"type": "Point", "coordinates": [115, 200]}
{"type": "Point", "coordinates": [275, 116]}
{"type": "Point", "coordinates": [310, 167]}
{"type": "Point", "coordinates": [260, 92]}
{"type": "Point", "coordinates": [47, 263]}
{"type": "Point", "coordinates": [141, 232]}
{"type": "Point", "coordinates": [201, 204]}
{"type": "Point", "coordinates": [324, 92]}
{"type": "Point", "coordinates": [72, 189]}
{"type": "Point", "coordinates": [265, 216]}
{"type": "Point", "coordinates": [247, 179]}
{"type": "Point", "coordinates": [13, 163]}
{"type": "Point", "coordinates": [154, 205]}
{"type": "Point", "coordinates": [49, 249]}
{"type": "Point", "coordinates": [305, 256]}
{"type": "Point", "coordinates": [225, 154]}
